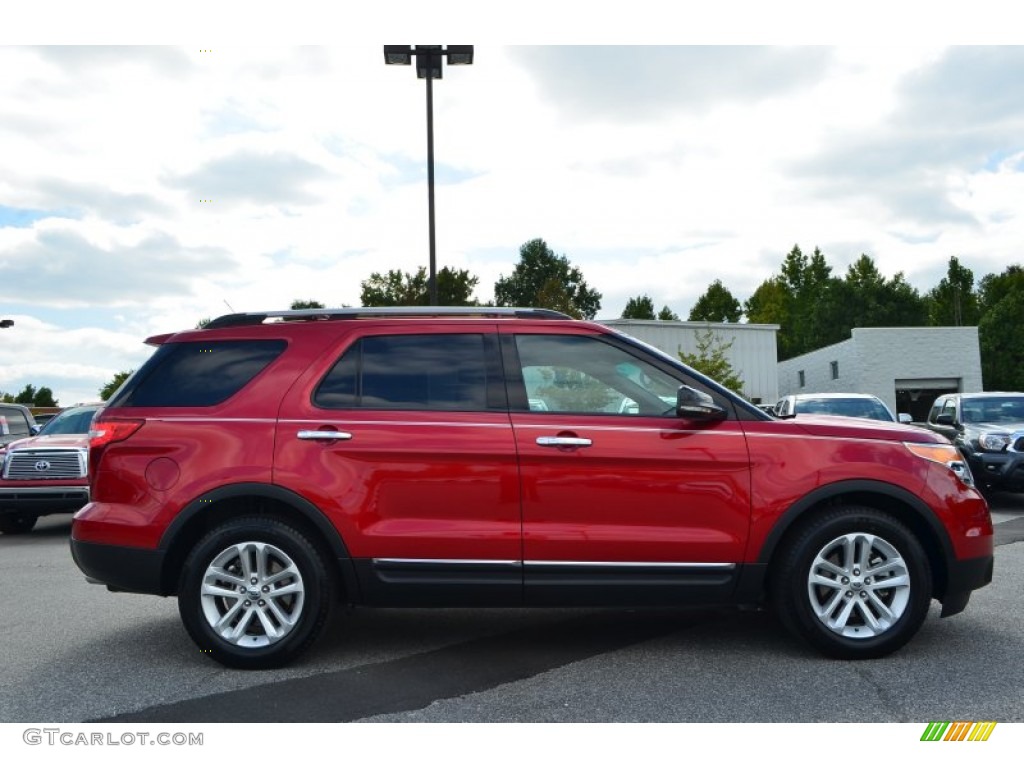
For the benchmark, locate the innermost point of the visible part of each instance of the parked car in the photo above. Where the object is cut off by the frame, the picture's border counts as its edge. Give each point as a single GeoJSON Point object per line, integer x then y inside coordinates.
{"type": "Point", "coordinates": [853, 404]}
{"type": "Point", "coordinates": [16, 422]}
{"type": "Point", "coordinates": [271, 465]}
{"type": "Point", "coordinates": [48, 473]}
{"type": "Point", "coordinates": [988, 428]}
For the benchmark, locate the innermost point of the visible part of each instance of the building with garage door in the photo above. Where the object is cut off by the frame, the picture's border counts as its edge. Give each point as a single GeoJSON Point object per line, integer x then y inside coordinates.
{"type": "Point", "coordinates": [906, 367]}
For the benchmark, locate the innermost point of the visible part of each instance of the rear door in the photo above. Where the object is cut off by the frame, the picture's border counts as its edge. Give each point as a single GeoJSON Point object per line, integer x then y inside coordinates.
{"type": "Point", "coordinates": [622, 499]}
{"type": "Point", "coordinates": [403, 439]}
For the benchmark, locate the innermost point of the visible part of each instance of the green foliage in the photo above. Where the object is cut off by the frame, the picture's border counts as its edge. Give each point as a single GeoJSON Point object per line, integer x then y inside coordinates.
{"type": "Point", "coordinates": [542, 279]}
{"type": "Point", "coordinates": [403, 289]}
{"type": "Point", "coordinates": [111, 386]}
{"type": "Point", "coordinates": [27, 396]}
{"type": "Point", "coordinates": [667, 314]}
{"type": "Point", "coordinates": [639, 308]}
{"type": "Point", "coordinates": [306, 304]}
{"type": "Point", "coordinates": [717, 305]}
{"type": "Point", "coordinates": [953, 301]}
{"type": "Point", "coordinates": [44, 398]}
{"type": "Point", "coordinates": [203, 322]}
{"type": "Point", "coordinates": [711, 359]}
{"type": "Point", "coordinates": [1002, 354]}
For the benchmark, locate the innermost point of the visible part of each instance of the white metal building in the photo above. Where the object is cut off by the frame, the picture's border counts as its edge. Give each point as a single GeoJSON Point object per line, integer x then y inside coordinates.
{"type": "Point", "coordinates": [753, 354]}
{"type": "Point", "coordinates": [906, 367]}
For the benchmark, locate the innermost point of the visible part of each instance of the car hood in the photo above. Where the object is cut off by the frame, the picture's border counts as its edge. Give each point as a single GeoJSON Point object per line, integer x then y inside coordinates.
{"type": "Point", "coordinates": [49, 441]}
{"type": "Point", "coordinates": [868, 429]}
{"type": "Point", "coordinates": [995, 426]}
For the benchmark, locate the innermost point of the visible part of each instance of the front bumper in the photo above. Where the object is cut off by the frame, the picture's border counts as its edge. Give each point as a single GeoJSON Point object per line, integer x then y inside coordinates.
{"type": "Point", "coordinates": [1003, 470]}
{"type": "Point", "coordinates": [43, 500]}
{"type": "Point", "coordinates": [965, 576]}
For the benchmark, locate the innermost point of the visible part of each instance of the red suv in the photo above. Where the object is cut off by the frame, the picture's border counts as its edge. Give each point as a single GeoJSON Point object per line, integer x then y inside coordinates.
{"type": "Point", "coordinates": [269, 466]}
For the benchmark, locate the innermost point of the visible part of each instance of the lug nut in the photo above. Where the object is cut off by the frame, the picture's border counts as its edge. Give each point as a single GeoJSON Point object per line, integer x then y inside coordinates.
{"type": "Point", "coordinates": [863, 594]}
{"type": "Point", "coordinates": [849, 594]}
{"type": "Point", "coordinates": [253, 580]}
{"type": "Point", "coordinates": [262, 603]}
{"type": "Point", "coordinates": [266, 589]}
{"type": "Point", "coordinates": [247, 603]}
{"type": "Point", "coordinates": [845, 580]}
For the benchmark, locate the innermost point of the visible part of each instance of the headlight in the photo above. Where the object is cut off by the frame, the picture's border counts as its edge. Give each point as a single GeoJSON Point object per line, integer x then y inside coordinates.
{"type": "Point", "coordinates": [947, 455]}
{"type": "Point", "coordinates": [993, 441]}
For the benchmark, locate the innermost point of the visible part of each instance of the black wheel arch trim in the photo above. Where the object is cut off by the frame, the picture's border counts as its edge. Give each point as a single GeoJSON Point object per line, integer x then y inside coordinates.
{"type": "Point", "coordinates": [309, 511]}
{"type": "Point", "coordinates": [846, 487]}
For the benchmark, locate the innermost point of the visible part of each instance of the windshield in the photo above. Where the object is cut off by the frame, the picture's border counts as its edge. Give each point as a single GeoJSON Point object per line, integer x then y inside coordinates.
{"type": "Point", "coordinates": [73, 421]}
{"type": "Point", "coordinates": [993, 410]}
{"type": "Point", "coordinates": [861, 407]}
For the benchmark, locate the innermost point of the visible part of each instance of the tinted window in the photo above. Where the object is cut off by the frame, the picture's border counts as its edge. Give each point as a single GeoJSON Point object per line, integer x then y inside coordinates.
{"type": "Point", "coordinates": [197, 373]}
{"type": "Point", "coordinates": [581, 374]}
{"type": "Point", "coordinates": [73, 421]}
{"type": "Point", "coordinates": [440, 372]}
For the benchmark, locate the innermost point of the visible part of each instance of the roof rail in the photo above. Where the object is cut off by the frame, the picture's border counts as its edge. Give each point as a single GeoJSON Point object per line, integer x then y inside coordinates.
{"type": "Point", "coordinates": [354, 313]}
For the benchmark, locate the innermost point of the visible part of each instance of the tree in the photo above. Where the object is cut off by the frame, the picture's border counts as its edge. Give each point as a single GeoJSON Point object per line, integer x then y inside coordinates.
{"type": "Point", "coordinates": [711, 360]}
{"type": "Point", "coordinates": [667, 314]}
{"type": "Point", "coordinates": [1002, 355]}
{"type": "Point", "coordinates": [716, 305]}
{"type": "Point", "coordinates": [306, 304]}
{"type": "Point", "coordinates": [403, 289]}
{"type": "Point", "coordinates": [27, 396]}
{"type": "Point", "coordinates": [542, 279]}
{"type": "Point", "coordinates": [639, 308]}
{"type": "Point", "coordinates": [44, 398]}
{"type": "Point", "coordinates": [1001, 299]}
{"type": "Point", "coordinates": [112, 386]}
{"type": "Point", "coordinates": [953, 301]}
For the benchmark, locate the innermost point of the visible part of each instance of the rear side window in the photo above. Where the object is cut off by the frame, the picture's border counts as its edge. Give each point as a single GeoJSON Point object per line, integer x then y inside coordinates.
{"type": "Point", "coordinates": [196, 374]}
{"type": "Point", "coordinates": [432, 372]}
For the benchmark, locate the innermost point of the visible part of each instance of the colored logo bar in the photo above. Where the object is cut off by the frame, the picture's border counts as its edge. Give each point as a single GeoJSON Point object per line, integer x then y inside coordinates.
{"type": "Point", "coordinates": [958, 731]}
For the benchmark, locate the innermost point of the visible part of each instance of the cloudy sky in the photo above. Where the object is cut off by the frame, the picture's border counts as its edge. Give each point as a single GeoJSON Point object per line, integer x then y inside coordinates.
{"type": "Point", "coordinates": [145, 187]}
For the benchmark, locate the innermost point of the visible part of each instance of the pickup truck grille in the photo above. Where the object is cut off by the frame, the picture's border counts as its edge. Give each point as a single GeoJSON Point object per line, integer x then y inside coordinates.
{"type": "Point", "coordinates": [53, 464]}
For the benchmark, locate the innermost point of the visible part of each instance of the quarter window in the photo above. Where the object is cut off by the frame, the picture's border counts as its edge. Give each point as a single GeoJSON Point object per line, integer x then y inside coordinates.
{"type": "Point", "coordinates": [197, 373]}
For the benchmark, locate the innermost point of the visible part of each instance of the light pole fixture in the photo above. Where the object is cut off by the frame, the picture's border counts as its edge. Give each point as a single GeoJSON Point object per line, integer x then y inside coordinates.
{"type": "Point", "coordinates": [429, 67]}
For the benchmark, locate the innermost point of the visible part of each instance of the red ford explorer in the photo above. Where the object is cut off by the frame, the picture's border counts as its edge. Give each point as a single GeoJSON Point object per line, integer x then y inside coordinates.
{"type": "Point", "coordinates": [270, 466]}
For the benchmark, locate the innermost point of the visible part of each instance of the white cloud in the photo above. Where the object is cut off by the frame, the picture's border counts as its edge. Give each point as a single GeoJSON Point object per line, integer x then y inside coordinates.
{"type": "Point", "coordinates": [142, 189]}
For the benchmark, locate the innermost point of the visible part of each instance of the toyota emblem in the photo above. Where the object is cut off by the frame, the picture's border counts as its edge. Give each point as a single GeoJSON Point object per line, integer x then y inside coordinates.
{"type": "Point", "coordinates": [42, 466]}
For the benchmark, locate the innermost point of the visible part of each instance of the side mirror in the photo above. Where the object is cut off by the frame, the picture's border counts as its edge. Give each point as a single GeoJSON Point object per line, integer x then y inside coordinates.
{"type": "Point", "coordinates": [35, 429]}
{"type": "Point", "coordinates": [696, 405]}
{"type": "Point", "coordinates": [945, 419]}
{"type": "Point", "coordinates": [904, 418]}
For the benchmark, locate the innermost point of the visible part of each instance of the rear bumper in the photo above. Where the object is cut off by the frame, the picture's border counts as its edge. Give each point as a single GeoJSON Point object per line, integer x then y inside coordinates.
{"type": "Point", "coordinates": [122, 569]}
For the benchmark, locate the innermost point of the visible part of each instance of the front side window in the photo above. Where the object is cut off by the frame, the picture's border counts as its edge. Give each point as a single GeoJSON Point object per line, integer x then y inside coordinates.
{"type": "Point", "coordinates": [432, 372]}
{"type": "Point", "coordinates": [582, 374]}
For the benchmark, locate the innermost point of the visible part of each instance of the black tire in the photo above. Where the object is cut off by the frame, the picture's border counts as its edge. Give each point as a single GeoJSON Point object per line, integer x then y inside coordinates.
{"type": "Point", "coordinates": [17, 522]}
{"type": "Point", "coordinates": [878, 609]}
{"type": "Point", "coordinates": [285, 593]}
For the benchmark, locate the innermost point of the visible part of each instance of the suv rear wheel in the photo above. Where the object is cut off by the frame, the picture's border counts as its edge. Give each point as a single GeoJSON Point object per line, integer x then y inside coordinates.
{"type": "Point", "coordinates": [855, 583]}
{"type": "Point", "coordinates": [254, 593]}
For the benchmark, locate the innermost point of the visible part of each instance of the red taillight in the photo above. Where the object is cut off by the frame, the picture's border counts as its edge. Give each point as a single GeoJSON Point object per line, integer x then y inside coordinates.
{"type": "Point", "coordinates": [104, 432]}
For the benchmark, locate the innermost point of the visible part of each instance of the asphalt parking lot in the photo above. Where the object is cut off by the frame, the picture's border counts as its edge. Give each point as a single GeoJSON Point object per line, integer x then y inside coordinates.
{"type": "Point", "coordinates": [72, 652]}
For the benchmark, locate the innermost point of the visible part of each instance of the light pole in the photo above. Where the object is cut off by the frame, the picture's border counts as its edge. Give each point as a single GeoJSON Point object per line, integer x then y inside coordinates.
{"type": "Point", "coordinates": [429, 68]}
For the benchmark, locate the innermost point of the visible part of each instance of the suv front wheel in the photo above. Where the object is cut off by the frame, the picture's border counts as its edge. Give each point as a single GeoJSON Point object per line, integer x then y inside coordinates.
{"type": "Point", "coordinates": [254, 593]}
{"type": "Point", "coordinates": [855, 583]}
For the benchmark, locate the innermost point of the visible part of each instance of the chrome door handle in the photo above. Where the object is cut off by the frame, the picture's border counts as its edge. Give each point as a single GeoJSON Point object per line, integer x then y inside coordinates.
{"type": "Point", "coordinates": [322, 434]}
{"type": "Point", "coordinates": [559, 442]}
